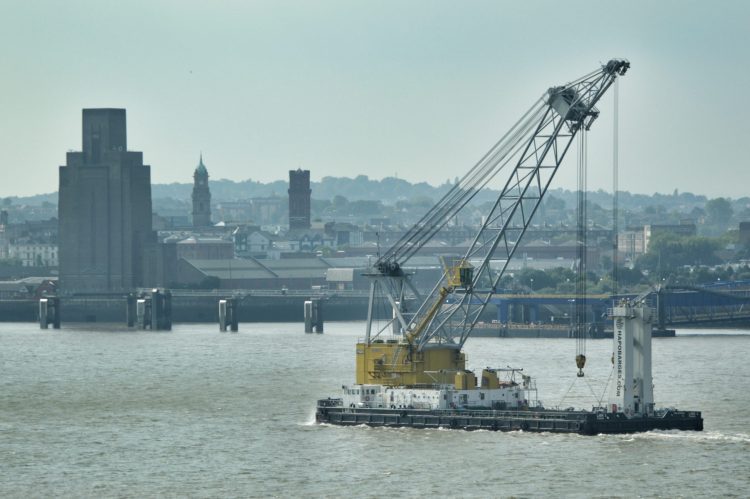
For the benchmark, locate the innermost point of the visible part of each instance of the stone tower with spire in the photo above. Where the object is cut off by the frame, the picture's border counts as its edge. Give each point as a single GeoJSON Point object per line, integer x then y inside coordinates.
{"type": "Point", "coordinates": [201, 196]}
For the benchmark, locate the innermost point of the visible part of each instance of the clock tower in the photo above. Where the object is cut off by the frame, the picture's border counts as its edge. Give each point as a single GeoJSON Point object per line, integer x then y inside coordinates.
{"type": "Point", "coordinates": [201, 196]}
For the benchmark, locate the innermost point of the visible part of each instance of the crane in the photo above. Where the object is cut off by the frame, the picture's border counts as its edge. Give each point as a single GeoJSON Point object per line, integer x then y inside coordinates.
{"type": "Point", "coordinates": [434, 333]}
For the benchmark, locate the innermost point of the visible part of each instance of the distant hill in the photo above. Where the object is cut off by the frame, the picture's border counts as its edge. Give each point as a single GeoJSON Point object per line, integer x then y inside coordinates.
{"type": "Point", "coordinates": [388, 190]}
{"type": "Point", "coordinates": [391, 189]}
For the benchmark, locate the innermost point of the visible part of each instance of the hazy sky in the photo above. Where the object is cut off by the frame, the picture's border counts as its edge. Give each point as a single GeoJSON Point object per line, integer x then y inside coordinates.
{"type": "Point", "coordinates": [417, 89]}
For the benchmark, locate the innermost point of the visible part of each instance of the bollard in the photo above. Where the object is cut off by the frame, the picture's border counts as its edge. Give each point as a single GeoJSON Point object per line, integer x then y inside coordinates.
{"type": "Point", "coordinates": [308, 316]}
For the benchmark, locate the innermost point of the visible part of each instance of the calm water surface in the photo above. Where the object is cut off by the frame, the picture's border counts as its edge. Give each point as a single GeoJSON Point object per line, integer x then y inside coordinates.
{"type": "Point", "coordinates": [97, 411]}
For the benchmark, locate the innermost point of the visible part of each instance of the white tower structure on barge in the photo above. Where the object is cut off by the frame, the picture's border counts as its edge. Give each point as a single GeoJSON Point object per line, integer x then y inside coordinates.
{"type": "Point", "coordinates": [633, 390]}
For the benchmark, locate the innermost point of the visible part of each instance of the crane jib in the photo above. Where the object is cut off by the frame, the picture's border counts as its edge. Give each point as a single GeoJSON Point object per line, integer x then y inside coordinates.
{"type": "Point", "coordinates": [530, 153]}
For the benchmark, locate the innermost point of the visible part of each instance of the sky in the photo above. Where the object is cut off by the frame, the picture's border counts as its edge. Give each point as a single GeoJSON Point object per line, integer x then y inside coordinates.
{"type": "Point", "coordinates": [414, 89]}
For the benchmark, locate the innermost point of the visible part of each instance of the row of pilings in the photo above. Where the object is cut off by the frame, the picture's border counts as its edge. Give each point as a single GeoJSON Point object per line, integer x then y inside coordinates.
{"type": "Point", "coordinates": [153, 310]}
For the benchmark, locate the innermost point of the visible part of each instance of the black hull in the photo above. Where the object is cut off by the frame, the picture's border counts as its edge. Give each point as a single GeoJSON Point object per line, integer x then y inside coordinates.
{"type": "Point", "coordinates": [534, 420]}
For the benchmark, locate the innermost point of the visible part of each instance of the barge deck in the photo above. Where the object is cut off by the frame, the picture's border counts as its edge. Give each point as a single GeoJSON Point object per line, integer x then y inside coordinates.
{"type": "Point", "coordinates": [332, 411]}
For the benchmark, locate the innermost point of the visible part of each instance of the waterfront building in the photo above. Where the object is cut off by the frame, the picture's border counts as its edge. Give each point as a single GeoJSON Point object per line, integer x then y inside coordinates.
{"type": "Point", "coordinates": [104, 209]}
{"type": "Point", "coordinates": [35, 254]}
{"type": "Point", "coordinates": [205, 248]}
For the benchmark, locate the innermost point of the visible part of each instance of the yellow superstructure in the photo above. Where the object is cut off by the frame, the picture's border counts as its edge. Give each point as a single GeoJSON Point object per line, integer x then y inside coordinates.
{"type": "Point", "coordinates": [490, 379]}
{"type": "Point", "coordinates": [400, 364]}
{"type": "Point", "coordinates": [465, 380]}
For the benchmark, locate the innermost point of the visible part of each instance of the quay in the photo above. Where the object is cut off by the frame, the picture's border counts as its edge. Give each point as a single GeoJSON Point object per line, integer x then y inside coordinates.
{"type": "Point", "coordinates": [198, 306]}
{"type": "Point", "coordinates": [507, 316]}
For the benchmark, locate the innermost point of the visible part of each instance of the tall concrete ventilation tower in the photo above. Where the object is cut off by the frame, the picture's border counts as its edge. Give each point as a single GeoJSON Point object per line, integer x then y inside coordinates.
{"type": "Point", "coordinates": [299, 199]}
{"type": "Point", "coordinates": [201, 197]}
{"type": "Point", "coordinates": [104, 210]}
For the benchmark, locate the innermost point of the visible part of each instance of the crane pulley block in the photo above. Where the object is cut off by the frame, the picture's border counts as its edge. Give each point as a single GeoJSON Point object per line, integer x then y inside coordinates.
{"type": "Point", "coordinates": [568, 104]}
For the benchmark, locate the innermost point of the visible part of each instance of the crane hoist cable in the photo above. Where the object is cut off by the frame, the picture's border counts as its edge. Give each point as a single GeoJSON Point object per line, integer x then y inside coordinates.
{"type": "Point", "coordinates": [581, 316]}
{"type": "Point", "coordinates": [615, 186]}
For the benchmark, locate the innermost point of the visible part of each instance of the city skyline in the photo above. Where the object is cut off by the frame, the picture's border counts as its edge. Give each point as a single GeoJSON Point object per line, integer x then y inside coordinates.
{"type": "Point", "coordinates": [418, 90]}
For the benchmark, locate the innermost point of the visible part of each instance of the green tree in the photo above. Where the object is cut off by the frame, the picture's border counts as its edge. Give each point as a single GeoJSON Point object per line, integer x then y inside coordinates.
{"type": "Point", "coordinates": [667, 252]}
{"type": "Point", "coordinates": [340, 202]}
{"type": "Point", "coordinates": [719, 212]}
{"type": "Point", "coordinates": [561, 274]}
{"type": "Point", "coordinates": [535, 279]}
{"type": "Point", "coordinates": [553, 203]}
{"type": "Point", "coordinates": [365, 208]}
{"type": "Point", "coordinates": [629, 277]}
{"type": "Point", "coordinates": [423, 202]}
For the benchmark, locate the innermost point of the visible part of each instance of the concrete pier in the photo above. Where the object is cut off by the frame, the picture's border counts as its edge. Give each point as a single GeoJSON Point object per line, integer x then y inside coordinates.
{"type": "Point", "coordinates": [313, 316]}
{"type": "Point", "coordinates": [49, 312]}
{"type": "Point", "coordinates": [196, 307]}
{"type": "Point", "coordinates": [154, 310]}
{"type": "Point", "coordinates": [161, 310]}
{"type": "Point", "coordinates": [228, 315]}
{"type": "Point", "coordinates": [317, 315]}
{"type": "Point", "coordinates": [130, 310]}
{"type": "Point", "coordinates": [143, 312]}
{"type": "Point", "coordinates": [308, 316]}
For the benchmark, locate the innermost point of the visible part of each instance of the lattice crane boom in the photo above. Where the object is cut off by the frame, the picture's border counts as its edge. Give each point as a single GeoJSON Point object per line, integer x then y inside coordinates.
{"type": "Point", "coordinates": [536, 146]}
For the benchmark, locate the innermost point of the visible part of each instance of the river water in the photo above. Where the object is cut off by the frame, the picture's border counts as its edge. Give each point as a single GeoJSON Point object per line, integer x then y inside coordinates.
{"type": "Point", "coordinates": [96, 411]}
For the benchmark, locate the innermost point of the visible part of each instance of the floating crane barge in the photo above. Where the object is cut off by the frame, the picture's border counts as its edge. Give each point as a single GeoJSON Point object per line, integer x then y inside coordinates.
{"type": "Point", "coordinates": [533, 420]}
{"type": "Point", "coordinates": [411, 371]}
